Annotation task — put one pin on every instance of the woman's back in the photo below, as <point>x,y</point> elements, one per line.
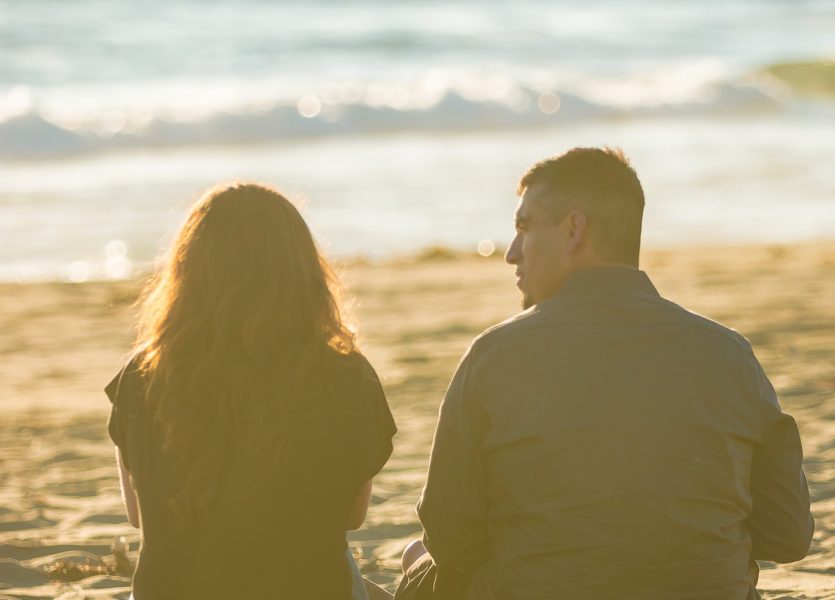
<point>285,538</point>
<point>247,421</point>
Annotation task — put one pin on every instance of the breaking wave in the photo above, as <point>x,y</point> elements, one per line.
<point>32,135</point>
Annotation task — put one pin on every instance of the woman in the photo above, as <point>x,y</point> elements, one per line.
<point>248,426</point>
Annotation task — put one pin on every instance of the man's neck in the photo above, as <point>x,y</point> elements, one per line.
<point>593,262</point>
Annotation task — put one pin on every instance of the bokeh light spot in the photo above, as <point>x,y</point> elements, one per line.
<point>309,107</point>
<point>78,272</point>
<point>549,103</point>
<point>115,249</point>
<point>486,248</point>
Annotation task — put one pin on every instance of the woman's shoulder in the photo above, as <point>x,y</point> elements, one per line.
<point>353,383</point>
<point>360,415</point>
<point>354,366</point>
<point>127,385</point>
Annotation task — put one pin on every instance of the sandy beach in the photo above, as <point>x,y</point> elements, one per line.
<point>60,508</point>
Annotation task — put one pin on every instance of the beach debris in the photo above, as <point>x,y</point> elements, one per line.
<point>68,571</point>
<point>74,566</point>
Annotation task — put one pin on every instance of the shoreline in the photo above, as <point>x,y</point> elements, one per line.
<point>62,342</point>
<point>443,252</point>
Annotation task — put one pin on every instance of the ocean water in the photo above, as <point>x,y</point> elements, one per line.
<point>400,125</point>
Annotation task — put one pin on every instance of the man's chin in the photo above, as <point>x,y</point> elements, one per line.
<point>526,301</point>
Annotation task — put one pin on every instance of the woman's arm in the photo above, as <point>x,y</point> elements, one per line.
<point>360,508</point>
<point>128,493</point>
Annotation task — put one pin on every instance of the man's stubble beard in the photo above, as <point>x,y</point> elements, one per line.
<point>526,302</point>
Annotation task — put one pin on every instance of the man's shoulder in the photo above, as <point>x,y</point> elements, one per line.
<point>503,329</point>
<point>517,327</point>
<point>690,320</point>
<point>562,311</point>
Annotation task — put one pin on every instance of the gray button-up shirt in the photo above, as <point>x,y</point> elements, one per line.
<point>609,443</point>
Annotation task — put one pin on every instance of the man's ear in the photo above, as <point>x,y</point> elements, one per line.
<point>576,223</point>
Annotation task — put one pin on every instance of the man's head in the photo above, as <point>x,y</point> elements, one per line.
<point>580,209</point>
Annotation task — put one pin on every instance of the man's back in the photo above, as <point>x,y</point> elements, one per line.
<point>609,443</point>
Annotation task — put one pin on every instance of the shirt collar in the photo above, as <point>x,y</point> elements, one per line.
<point>606,281</point>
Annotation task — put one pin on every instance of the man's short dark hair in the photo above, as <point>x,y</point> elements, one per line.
<point>601,183</point>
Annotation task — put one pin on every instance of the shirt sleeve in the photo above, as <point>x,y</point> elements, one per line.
<point>453,506</point>
<point>780,524</point>
<point>117,424</point>
<point>374,445</point>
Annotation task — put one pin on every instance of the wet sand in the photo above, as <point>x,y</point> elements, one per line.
<point>60,508</point>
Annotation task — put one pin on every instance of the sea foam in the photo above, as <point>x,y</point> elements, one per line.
<point>33,135</point>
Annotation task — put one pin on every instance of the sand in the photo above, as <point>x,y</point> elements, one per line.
<point>60,508</point>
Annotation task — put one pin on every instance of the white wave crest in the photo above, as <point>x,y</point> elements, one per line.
<point>32,136</point>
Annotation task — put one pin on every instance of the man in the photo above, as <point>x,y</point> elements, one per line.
<point>604,443</point>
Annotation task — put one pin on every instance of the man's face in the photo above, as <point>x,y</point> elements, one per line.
<point>539,250</point>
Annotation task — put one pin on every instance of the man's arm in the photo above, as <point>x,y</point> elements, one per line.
<point>452,508</point>
<point>781,524</point>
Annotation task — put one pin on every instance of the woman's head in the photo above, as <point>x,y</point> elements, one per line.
<point>243,306</point>
<point>243,269</point>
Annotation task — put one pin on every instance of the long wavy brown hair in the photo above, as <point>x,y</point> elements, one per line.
<point>242,316</point>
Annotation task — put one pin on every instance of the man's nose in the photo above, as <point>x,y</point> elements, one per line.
<point>511,257</point>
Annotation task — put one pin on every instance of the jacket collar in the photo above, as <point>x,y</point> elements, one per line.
<point>605,281</point>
